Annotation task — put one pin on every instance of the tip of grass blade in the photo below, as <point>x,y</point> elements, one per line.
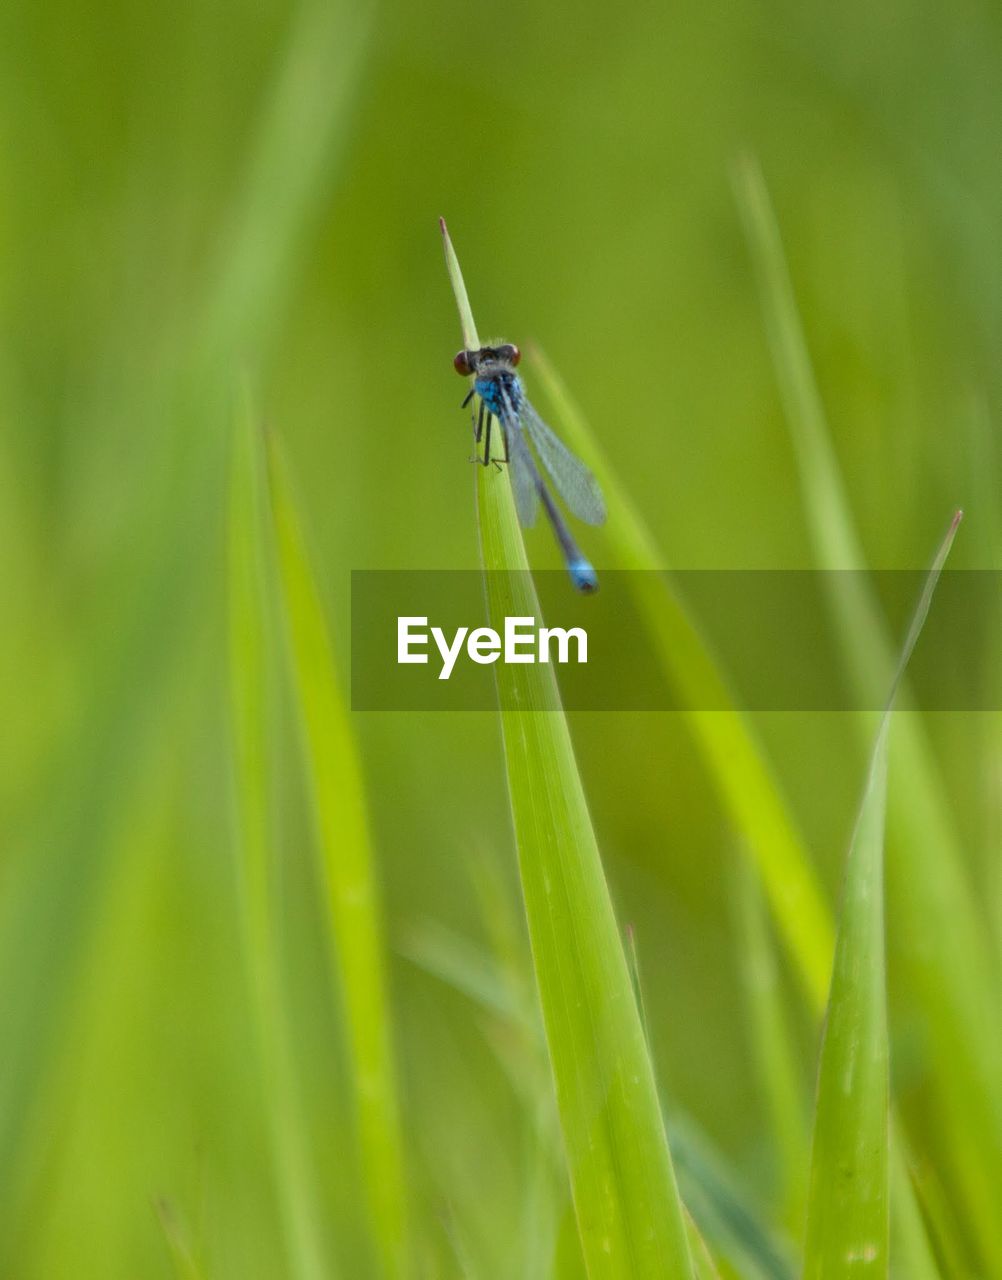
<point>470,338</point>
<point>925,600</point>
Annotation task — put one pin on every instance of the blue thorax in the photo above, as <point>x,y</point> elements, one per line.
<point>497,388</point>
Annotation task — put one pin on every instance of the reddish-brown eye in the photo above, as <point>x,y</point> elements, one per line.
<point>510,353</point>
<point>461,363</point>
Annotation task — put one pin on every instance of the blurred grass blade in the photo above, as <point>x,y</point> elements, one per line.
<point>294,154</point>
<point>251,655</point>
<point>737,766</point>
<point>179,1248</point>
<point>847,1211</point>
<point>983,480</point>
<point>355,932</point>
<point>734,759</point>
<point>703,1266</point>
<point>939,931</point>
<point>773,1054</point>
<point>729,1216</point>
<point>629,1216</point>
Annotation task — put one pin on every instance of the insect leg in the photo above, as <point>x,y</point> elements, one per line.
<point>504,437</point>
<point>478,430</point>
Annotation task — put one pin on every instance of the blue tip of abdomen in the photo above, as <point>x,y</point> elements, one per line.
<point>583,575</point>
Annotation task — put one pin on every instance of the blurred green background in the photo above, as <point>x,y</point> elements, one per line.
<point>195,198</point>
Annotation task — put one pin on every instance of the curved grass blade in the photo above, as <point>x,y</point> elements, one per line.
<point>251,684</point>
<point>847,1211</point>
<point>629,1217</point>
<point>941,933</point>
<point>734,759</point>
<point>355,933</point>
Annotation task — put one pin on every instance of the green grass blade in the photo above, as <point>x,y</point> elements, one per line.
<point>737,766</point>
<point>703,1266</point>
<point>773,1053</point>
<point>468,325</point>
<point>294,155</point>
<point>251,684</point>
<point>355,932</point>
<point>729,1216</point>
<point>847,1212</point>
<point>941,933</point>
<point>734,759</point>
<point>848,1219</point>
<point>629,1216</point>
<point>179,1248</point>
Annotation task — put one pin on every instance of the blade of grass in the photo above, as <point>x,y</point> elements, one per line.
<point>179,1248</point>
<point>727,1214</point>
<point>848,1202</point>
<point>251,683</point>
<point>733,757</point>
<point>739,769</point>
<point>983,469</point>
<point>295,153</point>
<point>134,650</point>
<point>847,1210</point>
<point>347,870</point>
<point>629,1216</point>
<point>703,1266</point>
<point>945,948</point>
<point>772,1046</point>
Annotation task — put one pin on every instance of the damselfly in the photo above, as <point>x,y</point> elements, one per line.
<point>501,396</point>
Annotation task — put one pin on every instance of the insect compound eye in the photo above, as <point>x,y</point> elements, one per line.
<point>510,353</point>
<point>461,363</point>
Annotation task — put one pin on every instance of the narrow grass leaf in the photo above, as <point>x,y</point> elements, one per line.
<point>983,472</point>
<point>703,1266</point>
<point>847,1222</point>
<point>179,1247</point>
<point>629,1216</point>
<point>949,963</point>
<point>347,871</point>
<point>251,662</point>
<point>295,153</point>
<point>734,759</point>
<point>848,1202</point>
<point>773,1053</point>
<point>738,767</point>
<point>728,1214</point>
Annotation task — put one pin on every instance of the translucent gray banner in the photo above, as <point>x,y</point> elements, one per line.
<point>422,640</point>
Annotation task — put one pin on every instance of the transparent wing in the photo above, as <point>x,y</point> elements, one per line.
<point>571,478</point>
<point>523,476</point>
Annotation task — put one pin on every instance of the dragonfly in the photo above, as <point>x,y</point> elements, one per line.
<point>501,396</point>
